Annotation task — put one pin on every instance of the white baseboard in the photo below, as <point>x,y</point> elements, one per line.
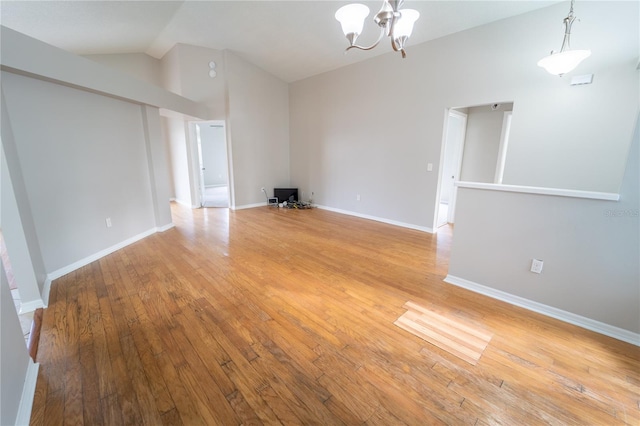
<point>580,321</point>
<point>28,393</point>
<point>46,289</point>
<point>378,219</point>
<point>184,203</point>
<point>248,206</point>
<point>165,227</point>
<point>350,213</point>
<point>102,253</point>
<point>96,256</point>
<point>30,306</point>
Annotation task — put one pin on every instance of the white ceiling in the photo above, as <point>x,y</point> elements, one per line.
<point>290,39</point>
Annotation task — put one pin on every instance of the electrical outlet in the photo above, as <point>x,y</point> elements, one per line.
<point>358,197</point>
<point>262,189</point>
<point>108,222</point>
<point>536,266</point>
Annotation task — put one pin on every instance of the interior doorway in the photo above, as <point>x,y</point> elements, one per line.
<point>474,149</point>
<point>451,165</point>
<point>213,162</point>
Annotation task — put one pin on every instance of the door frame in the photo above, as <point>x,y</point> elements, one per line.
<point>504,146</point>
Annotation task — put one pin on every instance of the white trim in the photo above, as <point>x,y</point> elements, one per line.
<point>504,146</point>
<point>458,156</point>
<point>46,289</point>
<point>580,321</point>
<point>248,206</point>
<point>574,193</point>
<point>165,227</point>
<point>28,393</point>
<point>102,253</point>
<point>186,204</point>
<point>30,306</point>
<point>96,256</point>
<point>378,219</point>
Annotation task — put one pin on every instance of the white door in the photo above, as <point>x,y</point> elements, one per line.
<point>452,165</point>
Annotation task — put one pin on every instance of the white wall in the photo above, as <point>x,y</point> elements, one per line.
<point>258,130</point>
<point>170,71</point>
<point>83,157</point>
<point>185,71</point>
<point>17,245</point>
<point>590,248</point>
<point>353,134</point>
<point>15,358</point>
<point>157,162</point>
<point>24,55</point>
<point>482,143</point>
<point>138,65</point>
<point>21,237</point>
<point>255,106</point>
<point>82,143</point>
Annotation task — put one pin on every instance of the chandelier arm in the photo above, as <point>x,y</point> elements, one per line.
<point>566,41</point>
<point>382,33</point>
<point>568,22</point>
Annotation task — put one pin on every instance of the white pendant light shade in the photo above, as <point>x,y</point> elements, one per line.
<point>352,17</point>
<point>566,60</point>
<point>563,62</point>
<point>404,25</point>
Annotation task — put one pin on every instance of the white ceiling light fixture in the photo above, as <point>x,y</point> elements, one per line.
<point>393,22</point>
<point>566,60</point>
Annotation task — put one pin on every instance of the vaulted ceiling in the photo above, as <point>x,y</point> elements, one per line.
<point>290,39</point>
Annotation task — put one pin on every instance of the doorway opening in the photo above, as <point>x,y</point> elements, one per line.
<point>455,130</point>
<point>213,162</point>
<point>474,149</point>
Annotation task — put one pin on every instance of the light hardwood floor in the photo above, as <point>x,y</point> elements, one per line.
<point>267,316</point>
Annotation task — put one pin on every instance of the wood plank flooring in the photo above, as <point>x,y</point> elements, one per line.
<point>456,336</point>
<point>267,316</point>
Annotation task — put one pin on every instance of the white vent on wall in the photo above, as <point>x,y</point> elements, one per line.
<point>582,79</point>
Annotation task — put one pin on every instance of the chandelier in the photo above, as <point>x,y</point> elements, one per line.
<point>566,60</point>
<point>394,22</point>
